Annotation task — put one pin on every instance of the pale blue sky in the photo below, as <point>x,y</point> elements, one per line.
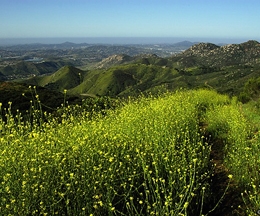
<point>228,19</point>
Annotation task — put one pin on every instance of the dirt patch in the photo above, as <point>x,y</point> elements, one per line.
<point>225,193</point>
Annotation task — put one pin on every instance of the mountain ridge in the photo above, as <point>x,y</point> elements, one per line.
<point>66,77</point>
<point>224,68</point>
<point>226,55</point>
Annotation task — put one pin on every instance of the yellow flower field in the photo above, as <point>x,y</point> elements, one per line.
<point>147,157</point>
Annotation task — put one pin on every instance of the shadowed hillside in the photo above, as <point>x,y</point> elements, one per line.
<point>26,68</point>
<point>22,97</point>
<point>65,78</point>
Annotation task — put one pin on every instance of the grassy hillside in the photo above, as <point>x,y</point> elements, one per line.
<point>27,68</point>
<point>22,97</point>
<point>225,69</point>
<point>101,82</point>
<point>66,77</point>
<point>131,79</point>
<point>183,153</point>
<point>124,79</point>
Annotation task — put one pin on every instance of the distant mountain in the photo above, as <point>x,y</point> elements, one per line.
<point>114,60</point>
<point>70,45</point>
<point>40,46</point>
<point>185,44</point>
<point>218,56</point>
<point>222,44</point>
<point>224,68</point>
<point>200,49</point>
<point>22,61</point>
<point>148,59</point>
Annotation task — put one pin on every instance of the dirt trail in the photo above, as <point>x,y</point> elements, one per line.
<point>221,185</point>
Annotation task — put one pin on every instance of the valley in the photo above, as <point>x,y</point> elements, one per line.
<point>122,71</point>
<point>78,55</point>
<point>111,72</point>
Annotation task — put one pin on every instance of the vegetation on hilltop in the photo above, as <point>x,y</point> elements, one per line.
<point>147,74</point>
<point>225,69</point>
<point>24,68</point>
<point>41,58</point>
<point>251,90</point>
<point>219,56</point>
<point>23,97</point>
<point>66,77</point>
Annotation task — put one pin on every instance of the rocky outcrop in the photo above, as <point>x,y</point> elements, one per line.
<point>114,60</point>
<point>212,55</point>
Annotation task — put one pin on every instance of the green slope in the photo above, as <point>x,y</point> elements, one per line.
<point>26,68</point>
<point>21,97</point>
<point>65,78</point>
<point>106,82</point>
<point>225,69</point>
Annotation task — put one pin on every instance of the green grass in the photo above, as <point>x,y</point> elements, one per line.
<point>66,77</point>
<point>238,126</point>
<point>147,157</point>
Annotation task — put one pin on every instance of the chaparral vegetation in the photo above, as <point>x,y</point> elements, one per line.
<point>176,153</point>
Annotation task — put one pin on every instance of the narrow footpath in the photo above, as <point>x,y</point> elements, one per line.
<point>226,195</point>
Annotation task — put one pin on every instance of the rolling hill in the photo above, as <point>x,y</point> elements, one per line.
<point>66,77</point>
<point>24,68</point>
<point>223,68</point>
<point>211,55</point>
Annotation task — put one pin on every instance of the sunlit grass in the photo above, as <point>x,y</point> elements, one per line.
<point>147,157</point>
<point>238,127</point>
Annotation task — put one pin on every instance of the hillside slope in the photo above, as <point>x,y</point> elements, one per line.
<point>219,56</point>
<point>223,68</point>
<point>20,96</point>
<point>66,77</point>
<point>26,68</point>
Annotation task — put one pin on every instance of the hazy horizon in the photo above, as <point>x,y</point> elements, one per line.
<point>117,40</point>
<point>221,21</point>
